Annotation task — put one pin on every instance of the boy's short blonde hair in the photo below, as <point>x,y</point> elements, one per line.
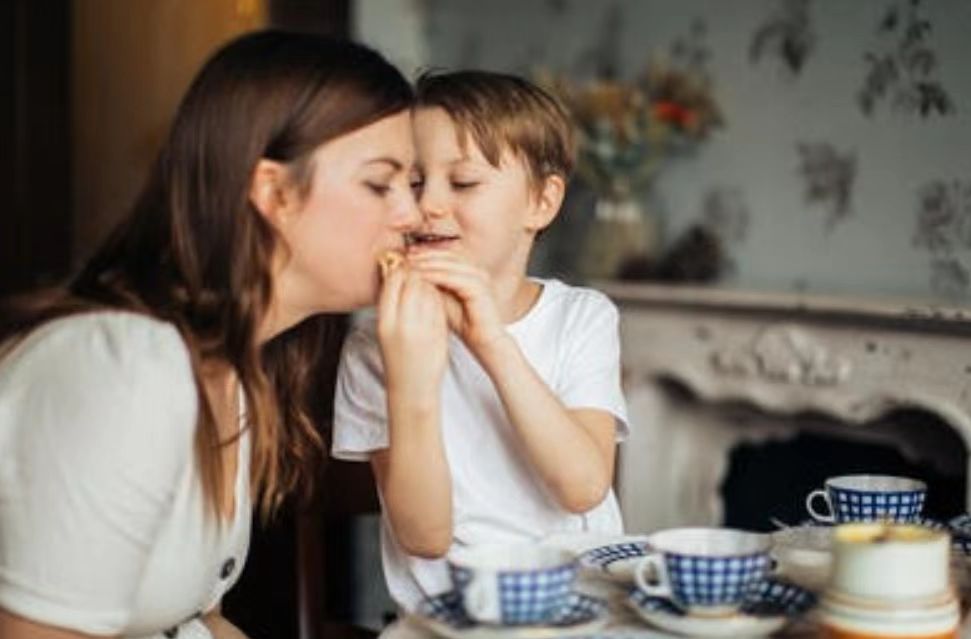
<point>504,112</point>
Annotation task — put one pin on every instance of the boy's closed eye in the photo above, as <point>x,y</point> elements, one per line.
<point>461,183</point>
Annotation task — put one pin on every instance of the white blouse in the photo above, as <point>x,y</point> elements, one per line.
<point>103,527</point>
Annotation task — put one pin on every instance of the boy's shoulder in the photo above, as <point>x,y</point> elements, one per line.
<point>570,297</point>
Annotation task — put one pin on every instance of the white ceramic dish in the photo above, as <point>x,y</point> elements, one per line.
<point>804,554</point>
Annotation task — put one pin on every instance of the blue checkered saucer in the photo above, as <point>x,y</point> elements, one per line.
<point>768,608</point>
<point>925,522</point>
<point>616,561</point>
<point>444,616</point>
<point>960,528</point>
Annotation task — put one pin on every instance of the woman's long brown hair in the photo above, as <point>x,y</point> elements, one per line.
<point>195,253</point>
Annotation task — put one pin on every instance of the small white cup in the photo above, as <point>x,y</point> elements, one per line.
<point>512,585</point>
<point>884,562</point>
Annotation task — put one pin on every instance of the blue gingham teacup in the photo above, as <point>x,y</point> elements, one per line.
<point>704,571</point>
<point>851,498</point>
<point>512,585</point>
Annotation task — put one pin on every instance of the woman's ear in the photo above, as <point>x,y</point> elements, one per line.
<point>548,202</point>
<point>271,193</point>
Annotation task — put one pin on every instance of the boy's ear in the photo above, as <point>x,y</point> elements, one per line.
<point>548,203</point>
<point>271,192</point>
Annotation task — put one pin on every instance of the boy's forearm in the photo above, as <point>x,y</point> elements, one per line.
<point>568,459</point>
<point>417,484</point>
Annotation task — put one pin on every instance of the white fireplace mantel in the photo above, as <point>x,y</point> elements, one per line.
<point>854,360</point>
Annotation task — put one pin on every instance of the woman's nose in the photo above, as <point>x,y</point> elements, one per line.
<point>407,216</point>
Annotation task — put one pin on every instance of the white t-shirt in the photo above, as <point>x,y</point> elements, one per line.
<point>102,521</point>
<point>570,337</point>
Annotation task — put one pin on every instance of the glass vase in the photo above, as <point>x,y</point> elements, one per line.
<point>621,230</point>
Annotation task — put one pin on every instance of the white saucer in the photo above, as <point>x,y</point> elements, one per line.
<point>443,617</point>
<point>737,625</point>
<point>770,610</point>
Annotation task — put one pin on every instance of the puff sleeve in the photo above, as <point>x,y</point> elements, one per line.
<point>97,420</point>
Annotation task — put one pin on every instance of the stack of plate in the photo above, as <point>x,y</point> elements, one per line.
<point>846,617</point>
<point>889,580</point>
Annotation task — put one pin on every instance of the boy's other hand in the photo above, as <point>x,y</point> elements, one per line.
<point>471,307</point>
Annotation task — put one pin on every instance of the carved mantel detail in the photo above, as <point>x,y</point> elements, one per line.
<point>783,354</point>
<point>787,356</point>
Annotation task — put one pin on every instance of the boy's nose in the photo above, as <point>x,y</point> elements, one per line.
<point>431,207</point>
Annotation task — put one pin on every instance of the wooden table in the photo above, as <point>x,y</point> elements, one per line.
<point>616,629</point>
<point>624,624</point>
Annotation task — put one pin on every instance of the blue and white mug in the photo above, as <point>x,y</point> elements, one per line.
<point>512,585</point>
<point>851,498</point>
<point>705,571</point>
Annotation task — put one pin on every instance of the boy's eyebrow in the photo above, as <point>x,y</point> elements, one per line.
<point>462,160</point>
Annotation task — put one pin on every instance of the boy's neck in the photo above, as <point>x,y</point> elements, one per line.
<point>516,298</point>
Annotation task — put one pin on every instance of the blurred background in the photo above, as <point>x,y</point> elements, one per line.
<point>806,145</point>
<point>814,146</point>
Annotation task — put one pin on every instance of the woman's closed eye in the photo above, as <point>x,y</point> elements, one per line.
<point>378,188</point>
<point>462,185</point>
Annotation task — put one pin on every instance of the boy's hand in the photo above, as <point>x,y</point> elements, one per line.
<point>413,334</point>
<point>470,301</point>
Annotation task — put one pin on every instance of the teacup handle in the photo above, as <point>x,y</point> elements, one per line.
<point>655,563</point>
<point>480,599</point>
<point>818,516</point>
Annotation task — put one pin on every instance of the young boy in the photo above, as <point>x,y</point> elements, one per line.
<point>510,436</point>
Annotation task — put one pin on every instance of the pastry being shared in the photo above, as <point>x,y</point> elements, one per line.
<point>389,261</point>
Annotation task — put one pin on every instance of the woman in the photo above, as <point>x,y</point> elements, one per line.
<point>141,409</point>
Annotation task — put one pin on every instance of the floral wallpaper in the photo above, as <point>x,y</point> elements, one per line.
<point>844,161</point>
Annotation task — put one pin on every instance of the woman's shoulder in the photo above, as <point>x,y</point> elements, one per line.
<point>101,372</point>
<point>124,347</point>
<point>104,336</point>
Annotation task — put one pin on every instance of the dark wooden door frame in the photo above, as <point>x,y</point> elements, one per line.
<point>35,143</point>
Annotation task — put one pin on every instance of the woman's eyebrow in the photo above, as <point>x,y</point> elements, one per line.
<point>395,163</point>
